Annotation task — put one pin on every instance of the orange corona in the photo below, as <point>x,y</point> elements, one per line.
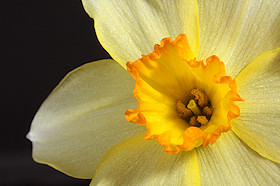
<point>183,102</point>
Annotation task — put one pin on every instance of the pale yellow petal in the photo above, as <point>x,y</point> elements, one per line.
<point>84,117</point>
<point>231,162</point>
<point>142,162</point>
<point>238,31</point>
<point>127,29</point>
<point>259,121</point>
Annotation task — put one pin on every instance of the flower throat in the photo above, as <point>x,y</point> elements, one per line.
<point>198,111</point>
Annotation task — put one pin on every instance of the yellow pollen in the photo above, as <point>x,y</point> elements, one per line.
<point>192,105</point>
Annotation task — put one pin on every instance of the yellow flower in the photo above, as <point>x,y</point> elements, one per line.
<point>81,129</point>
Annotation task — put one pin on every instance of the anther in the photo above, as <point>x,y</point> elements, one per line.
<point>207,111</point>
<point>193,122</point>
<point>202,120</point>
<point>183,111</point>
<point>200,97</point>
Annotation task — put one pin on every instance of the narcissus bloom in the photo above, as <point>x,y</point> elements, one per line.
<point>207,97</point>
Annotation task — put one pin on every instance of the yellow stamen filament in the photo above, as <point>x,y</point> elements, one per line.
<point>183,111</point>
<point>194,108</point>
<point>202,120</point>
<point>200,97</point>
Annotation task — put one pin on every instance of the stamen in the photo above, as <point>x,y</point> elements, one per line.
<point>194,114</point>
<point>207,111</point>
<point>200,97</point>
<point>193,122</point>
<point>192,105</point>
<point>183,111</point>
<point>202,119</point>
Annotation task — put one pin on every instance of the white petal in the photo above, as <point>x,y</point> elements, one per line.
<point>229,161</point>
<point>238,31</point>
<point>259,121</point>
<point>84,117</point>
<point>127,29</point>
<point>142,162</point>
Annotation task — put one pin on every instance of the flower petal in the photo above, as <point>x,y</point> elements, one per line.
<point>142,162</point>
<point>238,31</point>
<point>231,162</point>
<point>259,121</point>
<point>84,117</point>
<point>127,29</point>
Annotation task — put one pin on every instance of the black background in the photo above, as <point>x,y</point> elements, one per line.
<point>41,41</point>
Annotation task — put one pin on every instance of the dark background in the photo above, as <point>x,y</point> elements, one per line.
<point>41,41</point>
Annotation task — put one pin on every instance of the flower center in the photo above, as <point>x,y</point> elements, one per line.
<point>183,103</point>
<point>198,111</point>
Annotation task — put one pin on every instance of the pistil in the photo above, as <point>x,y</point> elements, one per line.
<point>194,108</point>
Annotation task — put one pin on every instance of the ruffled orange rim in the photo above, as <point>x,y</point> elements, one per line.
<point>192,136</point>
<point>220,78</point>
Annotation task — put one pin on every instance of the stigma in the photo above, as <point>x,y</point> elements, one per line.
<point>183,102</point>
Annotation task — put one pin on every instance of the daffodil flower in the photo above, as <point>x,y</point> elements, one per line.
<point>207,97</point>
